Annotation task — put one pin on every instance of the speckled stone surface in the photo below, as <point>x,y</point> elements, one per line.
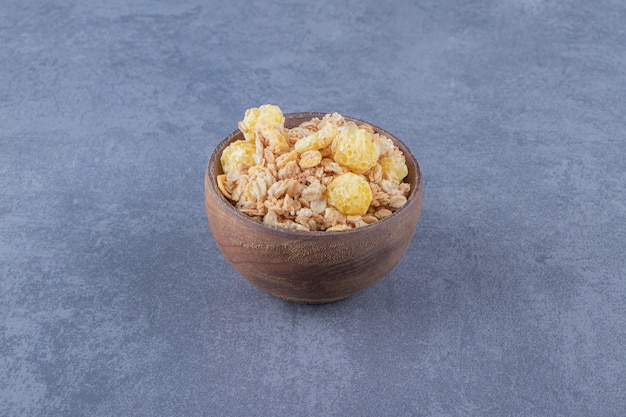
<point>115,301</point>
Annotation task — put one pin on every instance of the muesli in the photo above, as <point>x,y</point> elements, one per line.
<point>325,174</point>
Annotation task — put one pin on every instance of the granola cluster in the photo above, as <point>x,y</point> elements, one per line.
<point>325,174</point>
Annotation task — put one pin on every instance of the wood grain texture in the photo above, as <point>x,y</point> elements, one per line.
<point>311,267</point>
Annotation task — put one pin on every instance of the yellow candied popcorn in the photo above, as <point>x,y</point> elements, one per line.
<point>355,149</point>
<point>394,167</point>
<point>318,140</point>
<point>267,112</point>
<point>238,152</point>
<point>350,194</point>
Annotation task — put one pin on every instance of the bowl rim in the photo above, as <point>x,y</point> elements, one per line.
<point>412,198</point>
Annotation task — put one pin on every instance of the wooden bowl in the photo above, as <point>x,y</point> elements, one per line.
<point>311,267</point>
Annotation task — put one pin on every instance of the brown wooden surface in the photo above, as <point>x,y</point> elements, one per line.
<point>311,267</point>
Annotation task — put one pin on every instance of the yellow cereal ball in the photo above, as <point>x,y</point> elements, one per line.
<point>394,168</point>
<point>355,149</point>
<point>318,140</point>
<point>236,153</point>
<point>267,112</point>
<point>350,194</point>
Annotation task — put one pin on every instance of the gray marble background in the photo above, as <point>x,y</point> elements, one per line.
<point>115,301</point>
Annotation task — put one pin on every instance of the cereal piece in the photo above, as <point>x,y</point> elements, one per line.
<point>271,218</point>
<point>269,156</point>
<point>290,170</point>
<point>334,216</point>
<point>332,166</point>
<point>389,187</point>
<point>258,189</point>
<point>356,221</point>
<point>291,225</point>
<point>382,213</point>
<point>385,144</point>
<point>279,188</point>
<point>332,119</point>
<point>397,201</point>
<point>309,159</point>
<point>242,183</point>
<point>311,125</point>
<point>375,174</point>
<point>267,112</point>
<point>318,205</point>
<point>354,149</point>
<point>282,160</point>
<point>304,215</point>
<point>379,197</point>
<point>317,140</point>
<point>314,191</point>
<point>350,194</point>
<point>338,228</point>
<point>296,133</point>
<point>367,128</point>
<point>260,180</point>
<point>394,168</point>
<point>275,138</point>
<point>238,152</point>
<point>290,206</point>
<point>355,218</point>
<point>221,184</point>
<point>370,218</point>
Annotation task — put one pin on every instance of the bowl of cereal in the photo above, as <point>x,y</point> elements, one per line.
<point>312,207</point>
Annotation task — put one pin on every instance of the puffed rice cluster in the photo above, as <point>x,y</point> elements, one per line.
<point>327,174</point>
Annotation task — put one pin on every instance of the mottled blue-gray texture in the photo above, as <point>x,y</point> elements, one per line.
<point>115,301</point>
